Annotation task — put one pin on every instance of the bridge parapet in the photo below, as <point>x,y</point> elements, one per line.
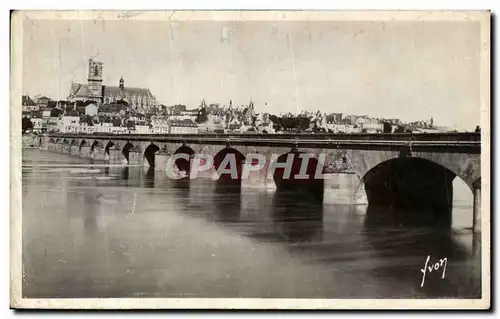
<point>445,142</point>
<point>448,136</point>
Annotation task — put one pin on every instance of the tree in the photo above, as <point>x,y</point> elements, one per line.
<point>278,126</point>
<point>55,112</point>
<point>26,124</point>
<point>400,129</point>
<point>387,127</point>
<point>51,104</point>
<point>254,119</point>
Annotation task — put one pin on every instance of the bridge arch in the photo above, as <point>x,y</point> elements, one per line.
<point>466,166</point>
<point>126,150</point>
<point>82,144</point>
<point>73,142</point>
<point>181,163</point>
<point>149,154</point>
<point>95,144</point>
<point>310,183</point>
<point>477,183</point>
<point>109,145</point>
<point>419,190</point>
<point>228,156</point>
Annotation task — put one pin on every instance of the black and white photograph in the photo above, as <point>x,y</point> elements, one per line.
<point>250,159</point>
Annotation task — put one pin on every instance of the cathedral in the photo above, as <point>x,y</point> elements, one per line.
<point>94,90</point>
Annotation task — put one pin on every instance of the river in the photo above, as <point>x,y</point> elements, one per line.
<point>91,230</point>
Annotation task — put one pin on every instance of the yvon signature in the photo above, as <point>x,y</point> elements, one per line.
<point>441,264</point>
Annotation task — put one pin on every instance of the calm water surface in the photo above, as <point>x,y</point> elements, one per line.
<point>96,231</point>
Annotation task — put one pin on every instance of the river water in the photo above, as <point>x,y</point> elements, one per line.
<point>95,231</point>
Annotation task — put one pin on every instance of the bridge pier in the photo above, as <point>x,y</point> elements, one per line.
<point>342,188</point>
<point>44,146</point>
<point>476,225</point>
<point>98,153</point>
<point>135,157</point>
<point>258,179</point>
<point>74,150</point>
<point>85,152</point>
<point>115,156</point>
<point>161,159</point>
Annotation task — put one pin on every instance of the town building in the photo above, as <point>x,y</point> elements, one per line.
<point>94,90</point>
<point>334,118</point>
<point>182,126</point>
<point>142,129</point>
<point>372,127</point>
<point>266,128</point>
<point>91,109</point>
<point>42,101</point>
<point>159,125</point>
<point>393,121</point>
<point>189,114</point>
<point>28,104</point>
<point>51,123</point>
<point>248,114</point>
<point>104,127</point>
<point>68,124</point>
<point>37,124</point>
<point>86,128</point>
<point>212,125</point>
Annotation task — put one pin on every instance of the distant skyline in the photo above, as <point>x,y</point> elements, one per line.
<point>398,69</point>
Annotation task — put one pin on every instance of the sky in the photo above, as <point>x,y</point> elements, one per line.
<point>412,70</point>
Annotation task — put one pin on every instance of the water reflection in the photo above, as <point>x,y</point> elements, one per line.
<point>92,202</point>
<point>297,216</point>
<point>124,173</point>
<point>149,178</point>
<point>402,250</point>
<point>378,216</point>
<point>227,200</point>
<point>102,224</point>
<point>181,187</point>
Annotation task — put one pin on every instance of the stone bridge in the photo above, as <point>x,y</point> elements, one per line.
<point>403,171</point>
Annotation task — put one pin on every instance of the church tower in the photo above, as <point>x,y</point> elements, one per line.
<point>95,79</point>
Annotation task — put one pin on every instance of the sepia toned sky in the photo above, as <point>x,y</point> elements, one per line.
<point>398,69</point>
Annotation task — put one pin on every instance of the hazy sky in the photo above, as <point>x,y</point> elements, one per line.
<point>410,70</point>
